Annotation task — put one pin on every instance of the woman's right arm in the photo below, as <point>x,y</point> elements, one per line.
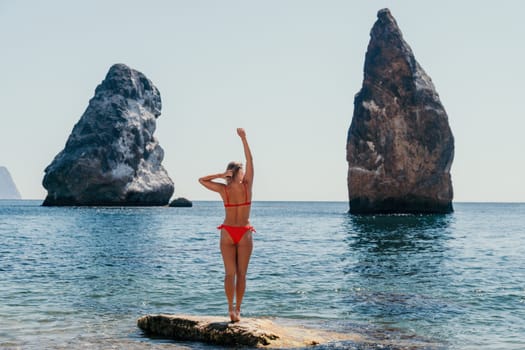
<point>207,181</point>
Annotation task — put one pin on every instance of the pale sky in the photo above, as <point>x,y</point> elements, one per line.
<point>285,70</point>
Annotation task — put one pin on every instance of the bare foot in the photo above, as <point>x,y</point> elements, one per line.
<point>233,316</point>
<point>237,315</point>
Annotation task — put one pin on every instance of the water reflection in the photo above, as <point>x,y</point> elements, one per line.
<point>397,233</point>
<point>112,253</point>
<point>396,271</point>
<point>390,246</point>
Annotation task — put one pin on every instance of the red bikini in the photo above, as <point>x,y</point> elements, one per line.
<point>236,232</point>
<point>227,204</point>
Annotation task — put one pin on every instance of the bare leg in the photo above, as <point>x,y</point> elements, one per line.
<point>229,257</point>
<point>244,252</point>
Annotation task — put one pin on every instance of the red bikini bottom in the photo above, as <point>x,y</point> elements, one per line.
<point>236,232</point>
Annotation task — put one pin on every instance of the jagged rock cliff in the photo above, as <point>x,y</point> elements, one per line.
<point>111,156</point>
<point>8,188</point>
<point>399,147</point>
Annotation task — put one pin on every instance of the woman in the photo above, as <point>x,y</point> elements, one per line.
<point>236,232</point>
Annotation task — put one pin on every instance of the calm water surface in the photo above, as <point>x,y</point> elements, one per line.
<point>80,277</point>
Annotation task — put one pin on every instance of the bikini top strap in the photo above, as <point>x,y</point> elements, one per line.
<point>227,197</point>
<point>227,202</point>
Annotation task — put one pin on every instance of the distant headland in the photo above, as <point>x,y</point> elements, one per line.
<point>8,189</point>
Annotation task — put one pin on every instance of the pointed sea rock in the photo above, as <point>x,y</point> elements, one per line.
<point>399,147</point>
<point>111,157</point>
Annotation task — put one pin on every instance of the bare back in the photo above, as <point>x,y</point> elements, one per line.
<point>237,199</point>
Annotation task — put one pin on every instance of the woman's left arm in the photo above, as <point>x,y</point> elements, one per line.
<point>249,173</point>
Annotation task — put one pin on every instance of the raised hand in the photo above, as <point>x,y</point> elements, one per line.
<point>241,132</point>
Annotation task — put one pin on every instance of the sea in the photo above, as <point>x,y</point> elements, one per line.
<point>80,277</point>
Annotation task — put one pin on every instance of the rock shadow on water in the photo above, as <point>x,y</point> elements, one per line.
<point>105,251</point>
<point>397,274</point>
<point>399,231</point>
<point>396,249</point>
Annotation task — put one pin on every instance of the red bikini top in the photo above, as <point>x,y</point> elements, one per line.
<point>227,204</point>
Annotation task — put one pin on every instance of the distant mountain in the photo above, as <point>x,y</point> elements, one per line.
<point>8,188</point>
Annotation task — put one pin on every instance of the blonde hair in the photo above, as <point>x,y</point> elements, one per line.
<point>234,167</point>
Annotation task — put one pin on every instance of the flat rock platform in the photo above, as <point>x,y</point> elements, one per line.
<point>250,332</point>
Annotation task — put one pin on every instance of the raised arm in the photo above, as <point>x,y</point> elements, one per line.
<point>248,174</point>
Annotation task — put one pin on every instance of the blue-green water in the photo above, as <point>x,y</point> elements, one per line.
<point>80,277</point>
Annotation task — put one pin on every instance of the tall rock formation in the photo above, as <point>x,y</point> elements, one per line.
<point>111,157</point>
<point>399,147</point>
<point>8,188</point>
